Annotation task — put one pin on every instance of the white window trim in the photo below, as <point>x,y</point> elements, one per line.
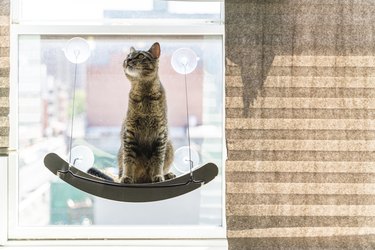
<point>10,231</point>
<point>212,244</point>
<point>3,199</point>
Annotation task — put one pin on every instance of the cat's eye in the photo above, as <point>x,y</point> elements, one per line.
<point>141,56</point>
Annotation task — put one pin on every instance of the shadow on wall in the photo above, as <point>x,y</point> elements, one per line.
<point>250,36</point>
<point>259,30</point>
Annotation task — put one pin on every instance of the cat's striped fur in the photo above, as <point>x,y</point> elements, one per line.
<point>146,152</point>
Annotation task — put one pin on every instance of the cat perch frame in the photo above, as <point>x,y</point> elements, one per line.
<point>146,192</point>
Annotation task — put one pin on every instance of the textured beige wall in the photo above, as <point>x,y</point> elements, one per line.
<point>4,71</point>
<point>300,127</point>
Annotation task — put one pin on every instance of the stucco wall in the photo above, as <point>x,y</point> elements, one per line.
<point>300,109</point>
<point>4,72</point>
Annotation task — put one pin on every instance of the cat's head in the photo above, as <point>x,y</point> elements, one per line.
<point>140,64</point>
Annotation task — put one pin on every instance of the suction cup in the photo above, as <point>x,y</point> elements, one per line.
<point>82,157</point>
<point>184,61</point>
<point>181,159</point>
<point>77,50</point>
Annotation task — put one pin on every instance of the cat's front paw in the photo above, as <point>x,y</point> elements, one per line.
<point>126,179</point>
<point>169,176</point>
<point>157,178</point>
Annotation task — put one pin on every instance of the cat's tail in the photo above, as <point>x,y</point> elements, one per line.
<point>100,174</point>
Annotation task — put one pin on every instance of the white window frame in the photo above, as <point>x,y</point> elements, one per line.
<point>11,233</point>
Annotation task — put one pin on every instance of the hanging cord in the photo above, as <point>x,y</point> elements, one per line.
<point>76,53</point>
<point>188,126</point>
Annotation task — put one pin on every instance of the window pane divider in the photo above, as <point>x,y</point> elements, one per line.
<point>118,30</point>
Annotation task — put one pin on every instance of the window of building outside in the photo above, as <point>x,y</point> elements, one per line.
<point>45,206</point>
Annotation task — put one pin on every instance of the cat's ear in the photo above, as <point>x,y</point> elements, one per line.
<point>132,50</point>
<point>155,50</point>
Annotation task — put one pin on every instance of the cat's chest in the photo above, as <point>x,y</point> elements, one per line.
<point>147,105</point>
<point>146,116</point>
<point>146,128</point>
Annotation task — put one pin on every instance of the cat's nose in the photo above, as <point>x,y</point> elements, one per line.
<point>130,63</point>
<point>127,62</point>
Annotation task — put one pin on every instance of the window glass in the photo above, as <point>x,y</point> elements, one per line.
<point>46,80</point>
<point>114,11</point>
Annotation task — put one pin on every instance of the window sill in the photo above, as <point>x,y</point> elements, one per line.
<point>219,244</point>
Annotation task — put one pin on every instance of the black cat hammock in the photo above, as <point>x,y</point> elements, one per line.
<point>144,192</point>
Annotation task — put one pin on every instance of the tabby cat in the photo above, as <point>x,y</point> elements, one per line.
<point>146,153</point>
